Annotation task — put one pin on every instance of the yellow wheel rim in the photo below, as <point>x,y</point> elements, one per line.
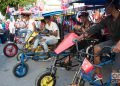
<point>47,81</point>
<point>38,49</point>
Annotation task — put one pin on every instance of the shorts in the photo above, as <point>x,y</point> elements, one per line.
<point>116,64</point>
<point>108,43</point>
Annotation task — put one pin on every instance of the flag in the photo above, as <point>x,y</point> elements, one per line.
<point>87,66</point>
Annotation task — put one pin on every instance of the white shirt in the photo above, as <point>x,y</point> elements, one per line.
<point>37,24</point>
<point>53,27</point>
<point>12,27</point>
<point>1,26</point>
<point>30,24</point>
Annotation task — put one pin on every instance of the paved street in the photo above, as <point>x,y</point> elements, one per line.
<point>35,70</point>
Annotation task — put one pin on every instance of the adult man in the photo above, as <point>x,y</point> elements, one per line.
<point>113,23</point>
<point>85,23</point>
<point>52,38</point>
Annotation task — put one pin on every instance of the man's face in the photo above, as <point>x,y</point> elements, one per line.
<point>83,19</point>
<point>26,18</point>
<point>47,20</point>
<point>108,8</point>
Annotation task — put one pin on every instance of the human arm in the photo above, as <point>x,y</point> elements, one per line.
<point>53,29</point>
<point>55,33</point>
<point>33,24</point>
<point>116,48</point>
<point>93,29</point>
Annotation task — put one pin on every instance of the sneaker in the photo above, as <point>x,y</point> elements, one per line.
<point>98,77</point>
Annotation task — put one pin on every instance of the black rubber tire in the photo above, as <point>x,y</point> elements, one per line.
<point>5,50</point>
<point>46,74</point>
<point>82,82</point>
<point>18,65</point>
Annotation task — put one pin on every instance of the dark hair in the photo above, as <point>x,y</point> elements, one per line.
<point>47,17</point>
<point>85,14</point>
<point>116,3</point>
<point>43,21</point>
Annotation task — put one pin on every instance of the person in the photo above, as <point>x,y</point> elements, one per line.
<point>80,28</point>
<point>20,27</point>
<point>30,25</point>
<point>7,28</point>
<point>1,31</point>
<point>85,22</point>
<point>112,21</point>
<point>53,37</point>
<point>12,30</point>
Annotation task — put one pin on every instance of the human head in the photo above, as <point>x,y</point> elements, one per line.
<point>47,19</point>
<point>42,24</point>
<point>111,6</point>
<point>26,16</point>
<point>83,16</point>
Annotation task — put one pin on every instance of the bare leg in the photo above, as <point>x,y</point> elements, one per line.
<point>97,49</point>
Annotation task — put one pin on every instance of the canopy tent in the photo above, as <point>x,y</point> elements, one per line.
<point>83,8</point>
<point>90,2</point>
<point>52,13</point>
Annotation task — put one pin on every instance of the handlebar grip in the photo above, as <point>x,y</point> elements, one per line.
<point>75,40</point>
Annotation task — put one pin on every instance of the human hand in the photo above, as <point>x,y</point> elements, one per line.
<point>51,32</point>
<point>117,47</point>
<point>81,37</point>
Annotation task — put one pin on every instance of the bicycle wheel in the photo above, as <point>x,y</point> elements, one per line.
<point>47,79</point>
<point>82,82</point>
<point>19,57</point>
<point>10,50</point>
<point>20,70</point>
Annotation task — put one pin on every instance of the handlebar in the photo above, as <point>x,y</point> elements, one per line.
<point>89,39</point>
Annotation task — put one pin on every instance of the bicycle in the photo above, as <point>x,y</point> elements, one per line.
<point>49,78</point>
<point>21,69</point>
<point>11,49</point>
<point>81,76</point>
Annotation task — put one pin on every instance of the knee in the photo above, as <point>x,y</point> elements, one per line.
<point>97,49</point>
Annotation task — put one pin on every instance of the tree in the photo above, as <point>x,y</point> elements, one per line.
<point>13,3</point>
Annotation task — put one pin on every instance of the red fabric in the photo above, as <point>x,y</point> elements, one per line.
<point>87,66</point>
<point>7,26</point>
<point>66,43</point>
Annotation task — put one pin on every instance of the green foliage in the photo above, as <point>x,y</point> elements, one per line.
<point>13,3</point>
